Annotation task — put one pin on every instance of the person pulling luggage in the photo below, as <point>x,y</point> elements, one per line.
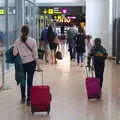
<point>98,54</point>
<point>26,48</point>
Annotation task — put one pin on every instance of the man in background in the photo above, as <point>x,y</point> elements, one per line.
<point>45,43</point>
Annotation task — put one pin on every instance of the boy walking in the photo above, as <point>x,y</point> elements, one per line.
<point>98,54</point>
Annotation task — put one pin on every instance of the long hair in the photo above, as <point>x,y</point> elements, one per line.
<point>24,33</point>
<point>50,33</point>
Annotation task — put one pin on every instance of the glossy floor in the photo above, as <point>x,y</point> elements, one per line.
<point>69,100</point>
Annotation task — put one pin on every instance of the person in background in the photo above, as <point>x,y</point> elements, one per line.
<point>62,30</point>
<point>53,43</point>
<point>80,46</point>
<point>89,45</point>
<point>71,33</point>
<point>98,54</point>
<point>26,47</point>
<point>44,40</point>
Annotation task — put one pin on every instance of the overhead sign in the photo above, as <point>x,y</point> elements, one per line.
<point>51,11</point>
<point>60,18</point>
<point>10,11</point>
<point>2,12</point>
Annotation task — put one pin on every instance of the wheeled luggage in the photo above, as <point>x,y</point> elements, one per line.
<point>92,85</point>
<point>40,98</point>
<point>58,55</point>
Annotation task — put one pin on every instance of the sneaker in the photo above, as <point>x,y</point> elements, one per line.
<point>28,102</point>
<point>46,61</point>
<point>82,65</point>
<point>55,62</point>
<point>23,101</point>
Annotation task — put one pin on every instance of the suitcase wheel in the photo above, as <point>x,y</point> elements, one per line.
<point>89,98</point>
<point>98,97</point>
<point>32,110</point>
<point>48,110</point>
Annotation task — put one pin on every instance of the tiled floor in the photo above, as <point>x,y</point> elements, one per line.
<point>69,101</point>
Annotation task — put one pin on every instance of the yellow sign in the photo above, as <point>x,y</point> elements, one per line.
<point>61,19</point>
<point>50,11</point>
<point>82,24</point>
<point>45,11</point>
<point>57,12</point>
<point>2,11</point>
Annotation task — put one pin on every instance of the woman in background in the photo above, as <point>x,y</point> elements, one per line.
<point>53,43</point>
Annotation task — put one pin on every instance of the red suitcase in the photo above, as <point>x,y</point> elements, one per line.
<point>40,98</point>
<point>93,86</point>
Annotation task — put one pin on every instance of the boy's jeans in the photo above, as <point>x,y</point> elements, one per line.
<point>80,57</point>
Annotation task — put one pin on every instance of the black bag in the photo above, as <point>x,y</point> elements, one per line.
<point>10,58</point>
<point>59,55</point>
<point>41,53</point>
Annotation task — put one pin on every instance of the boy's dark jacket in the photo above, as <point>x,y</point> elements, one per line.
<point>99,54</point>
<point>80,43</point>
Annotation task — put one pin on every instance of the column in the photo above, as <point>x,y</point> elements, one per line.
<point>20,6</point>
<point>98,21</point>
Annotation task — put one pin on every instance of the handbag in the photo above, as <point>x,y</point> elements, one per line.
<point>58,55</point>
<point>41,53</point>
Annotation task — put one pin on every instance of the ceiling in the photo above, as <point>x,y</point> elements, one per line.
<point>60,2</point>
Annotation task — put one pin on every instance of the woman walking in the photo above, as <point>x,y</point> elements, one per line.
<point>26,47</point>
<point>53,43</point>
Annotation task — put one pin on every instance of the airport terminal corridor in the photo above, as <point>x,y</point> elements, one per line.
<point>69,99</point>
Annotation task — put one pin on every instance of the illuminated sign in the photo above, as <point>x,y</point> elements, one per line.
<point>51,11</point>
<point>64,11</point>
<point>60,18</point>
<point>10,11</point>
<point>71,17</point>
<point>57,12</point>
<point>82,24</point>
<point>45,11</point>
<point>2,12</point>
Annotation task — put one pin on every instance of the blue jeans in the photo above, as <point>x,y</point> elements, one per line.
<point>80,57</point>
<point>72,53</point>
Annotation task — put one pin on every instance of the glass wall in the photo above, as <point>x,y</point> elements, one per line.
<point>12,18</point>
<point>7,22</point>
<point>2,23</point>
<point>116,30</point>
<point>11,21</point>
<point>31,18</point>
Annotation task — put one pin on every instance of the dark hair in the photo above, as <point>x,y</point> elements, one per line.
<point>81,31</point>
<point>88,37</point>
<point>97,41</point>
<point>50,30</point>
<point>50,33</point>
<point>25,32</point>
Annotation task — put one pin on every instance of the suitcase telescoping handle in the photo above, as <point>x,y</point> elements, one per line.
<point>42,75</point>
<point>91,71</point>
